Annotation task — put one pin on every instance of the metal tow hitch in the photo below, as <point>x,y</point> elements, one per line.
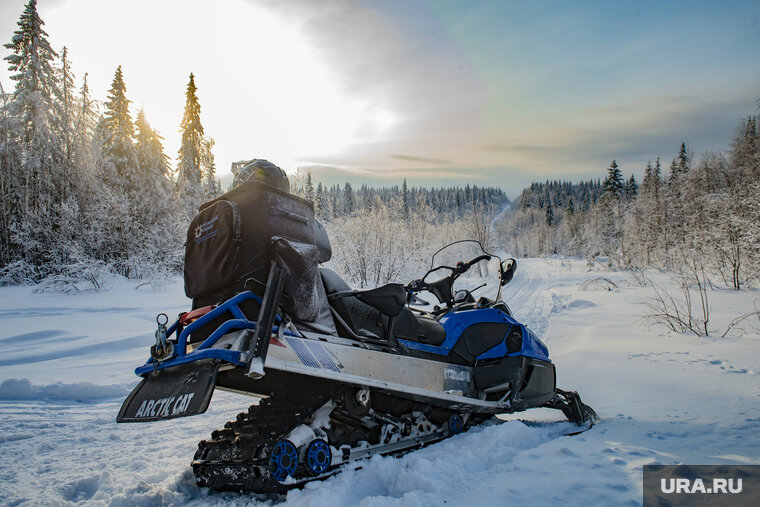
<point>163,349</point>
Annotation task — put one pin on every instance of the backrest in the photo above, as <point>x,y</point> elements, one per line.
<point>362,318</point>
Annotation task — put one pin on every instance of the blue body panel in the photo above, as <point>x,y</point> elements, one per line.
<point>455,323</point>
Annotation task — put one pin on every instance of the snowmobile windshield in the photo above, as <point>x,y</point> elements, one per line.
<point>472,268</point>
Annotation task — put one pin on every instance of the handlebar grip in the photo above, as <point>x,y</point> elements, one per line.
<point>478,259</point>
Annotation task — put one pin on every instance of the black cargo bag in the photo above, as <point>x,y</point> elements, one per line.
<point>212,251</point>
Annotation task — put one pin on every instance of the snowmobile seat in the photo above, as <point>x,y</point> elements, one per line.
<point>369,322</point>
<point>361,319</point>
<point>408,326</point>
<point>388,299</point>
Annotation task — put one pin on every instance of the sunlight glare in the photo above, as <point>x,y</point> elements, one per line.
<point>279,101</point>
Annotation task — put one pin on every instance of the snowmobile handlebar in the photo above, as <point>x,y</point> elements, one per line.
<point>442,289</point>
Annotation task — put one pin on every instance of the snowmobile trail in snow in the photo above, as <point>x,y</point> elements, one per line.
<point>48,438</point>
<point>526,297</point>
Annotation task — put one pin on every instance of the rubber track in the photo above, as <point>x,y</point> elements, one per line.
<point>236,458</point>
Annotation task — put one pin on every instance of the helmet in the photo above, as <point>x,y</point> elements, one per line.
<point>260,170</point>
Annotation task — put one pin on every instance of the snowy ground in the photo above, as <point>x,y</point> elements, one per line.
<point>66,363</point>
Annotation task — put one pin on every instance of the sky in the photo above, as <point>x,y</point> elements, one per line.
<point>440,93</point>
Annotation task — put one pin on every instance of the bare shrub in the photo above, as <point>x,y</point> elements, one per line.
<point>83,276</point>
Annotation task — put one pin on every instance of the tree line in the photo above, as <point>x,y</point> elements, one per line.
<point>449,203</point>
<point>83,186</point>
<point>702,214</point>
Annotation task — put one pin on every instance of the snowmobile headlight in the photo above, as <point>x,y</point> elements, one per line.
<point>514,340</point>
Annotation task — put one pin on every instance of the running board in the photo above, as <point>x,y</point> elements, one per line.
<point>347,362</point>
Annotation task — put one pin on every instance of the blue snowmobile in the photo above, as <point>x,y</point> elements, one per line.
<point>343,374</point>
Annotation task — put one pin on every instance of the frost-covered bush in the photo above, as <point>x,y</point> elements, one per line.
<point>83,276</point>
<point>377,245</point>
<point>18,273</point>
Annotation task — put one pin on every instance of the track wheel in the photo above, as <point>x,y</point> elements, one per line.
<point>456,424</point>
<point>357,401</point>
<point>318,457</point>
<point>283,460</point>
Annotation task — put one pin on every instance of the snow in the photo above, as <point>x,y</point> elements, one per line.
<point>67,361</point>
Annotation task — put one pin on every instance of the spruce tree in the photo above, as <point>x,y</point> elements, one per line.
<point>84,125</point>
<point>211,184</point>
<point>65,123</point>
<point>10,157</point>
<point>613,183</point>
<point>348,199</point>
<point>192,137</point>
<point>570,209</point>
<point>631,188</point>
<point>153,163</point>
<point>309,187</point>
<point>321,203</point>
<point>34,110</point>
<point>189,189</point>
<point>405,200</point>
<point>683,159</point>
<point>117,132</point>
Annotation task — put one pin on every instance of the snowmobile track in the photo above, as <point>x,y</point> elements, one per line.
<point>237,456</point>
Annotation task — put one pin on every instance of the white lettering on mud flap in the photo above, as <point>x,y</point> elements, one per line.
<point>165,407</point>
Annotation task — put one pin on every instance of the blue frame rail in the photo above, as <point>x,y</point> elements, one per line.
<point>205,350</point>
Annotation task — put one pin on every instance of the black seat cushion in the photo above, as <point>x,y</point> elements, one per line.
<point>363,319</point>
<point>408,326</point>
<point>367,321</point>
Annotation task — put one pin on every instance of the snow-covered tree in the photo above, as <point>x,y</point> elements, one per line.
<point>309,187</point>
<point>117,132</point>
<point>152,162</point>
<point>211,184</point>
<point>613,184</point>
<point>32,115</point>
<point>405,200</point>
<point>189,188</point>
<point>631,188</point>
<point>66,121</point>
<point>84,126</point>
<point>321,203</point>
<point>348,199</point>
<point>192,137</point>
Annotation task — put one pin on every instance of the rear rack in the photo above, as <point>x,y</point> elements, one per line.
<point>205,350</point>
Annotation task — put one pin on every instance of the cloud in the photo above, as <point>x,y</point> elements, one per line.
<point>411,158</point>
<point>395,56</point>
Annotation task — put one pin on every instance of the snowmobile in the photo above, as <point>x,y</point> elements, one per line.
<point>343,374</point>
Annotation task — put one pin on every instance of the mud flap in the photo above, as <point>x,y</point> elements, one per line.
<point>177,392</point>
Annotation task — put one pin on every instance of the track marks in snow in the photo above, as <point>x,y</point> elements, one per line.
<point>708,361</point>
<point>36,338</point>
<point>110,346</point>
<point>527,300</point>
<point>52,311</point>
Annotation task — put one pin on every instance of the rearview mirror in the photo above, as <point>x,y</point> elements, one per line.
<point>508,268</point>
